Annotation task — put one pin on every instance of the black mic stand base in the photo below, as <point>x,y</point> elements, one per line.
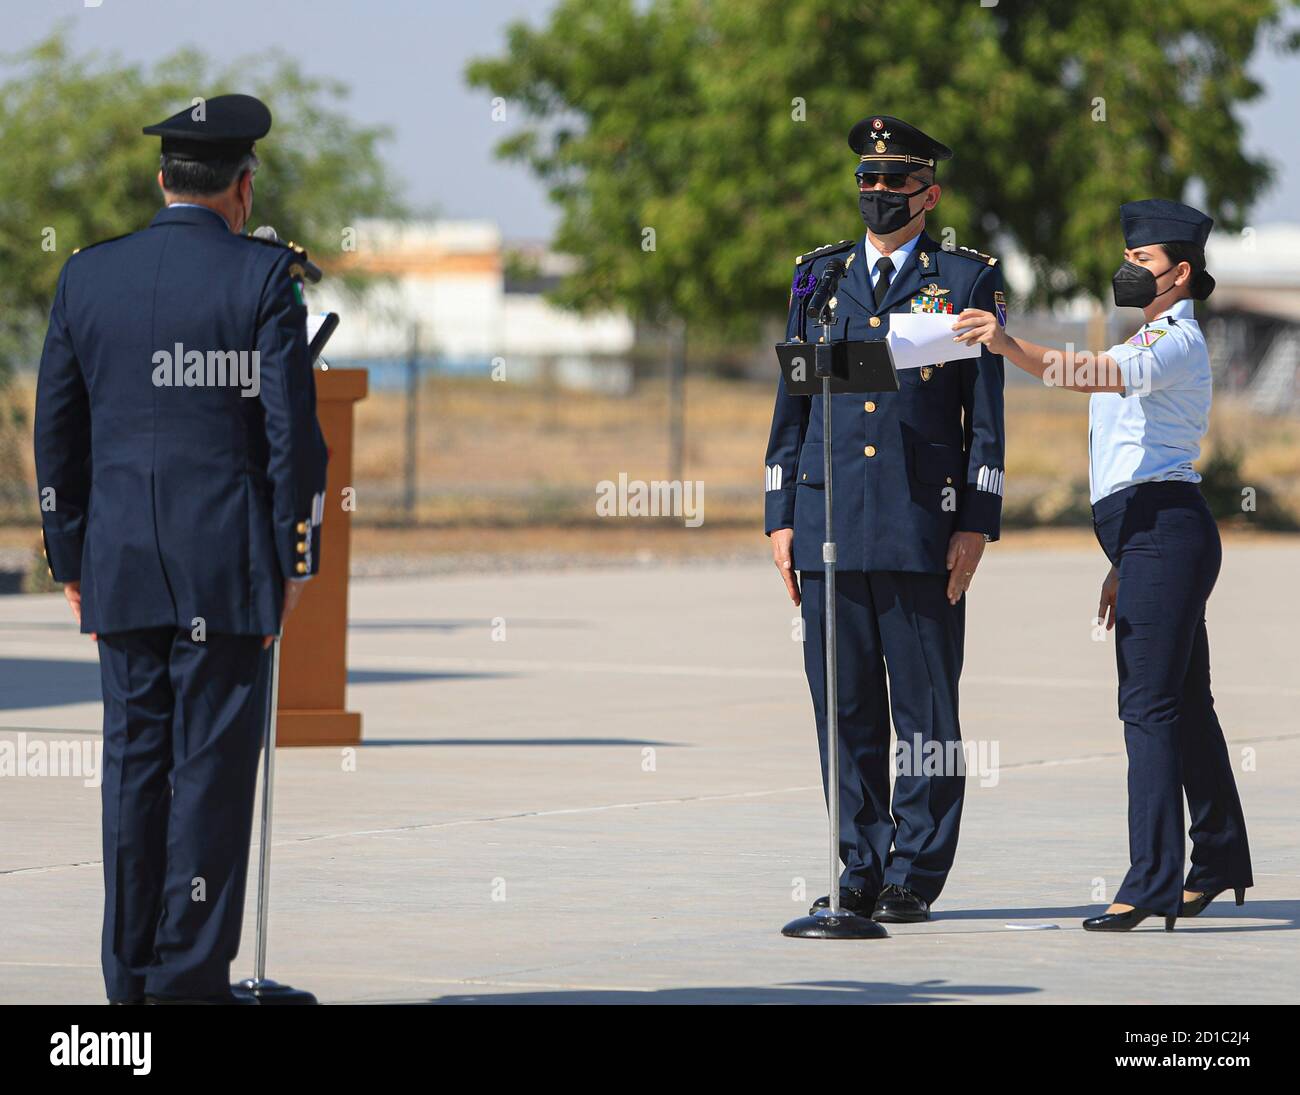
<point>838,924</point>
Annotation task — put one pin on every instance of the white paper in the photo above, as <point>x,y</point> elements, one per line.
<point>314,321</point>
<point>925,338</point>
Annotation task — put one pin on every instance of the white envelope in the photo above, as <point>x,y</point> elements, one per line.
<point>925,338</point>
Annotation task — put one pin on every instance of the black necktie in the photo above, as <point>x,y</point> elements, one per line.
<point>885,270</point>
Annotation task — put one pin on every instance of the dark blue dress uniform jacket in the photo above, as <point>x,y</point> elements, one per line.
<point>913,466</point>
<point>174,503</point>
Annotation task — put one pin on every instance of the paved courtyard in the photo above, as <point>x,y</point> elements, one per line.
<point>601,786</point>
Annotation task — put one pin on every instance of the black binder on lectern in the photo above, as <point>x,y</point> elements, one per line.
<point>856,367</point>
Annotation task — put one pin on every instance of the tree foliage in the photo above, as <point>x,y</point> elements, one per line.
<point>722,125</point>
<point>75,168</point>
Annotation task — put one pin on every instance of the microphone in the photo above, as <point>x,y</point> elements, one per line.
<point>826,286</point>
<point>310,270</point>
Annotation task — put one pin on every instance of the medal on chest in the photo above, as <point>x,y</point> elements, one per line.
<point>932,299</point>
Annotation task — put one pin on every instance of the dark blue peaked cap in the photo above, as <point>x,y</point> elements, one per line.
<point>888,145</point>
<point>221,128</point>
<point>1158,220</point>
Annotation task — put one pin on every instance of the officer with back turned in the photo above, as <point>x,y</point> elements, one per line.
<point>918,493</point>
<point>182,476</point>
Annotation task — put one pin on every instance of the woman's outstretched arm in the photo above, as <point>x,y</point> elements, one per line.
<point>1074,370</point>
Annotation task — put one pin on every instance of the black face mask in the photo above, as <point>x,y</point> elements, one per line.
<point>1134,286</point>
<point>885,211</point>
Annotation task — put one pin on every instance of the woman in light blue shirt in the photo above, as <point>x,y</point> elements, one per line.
<point>1149,410</point>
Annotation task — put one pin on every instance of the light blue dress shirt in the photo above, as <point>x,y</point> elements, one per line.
<point>1152,432</point>
<point>898,256</point>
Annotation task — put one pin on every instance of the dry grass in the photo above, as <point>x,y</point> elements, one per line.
<point>507,454</point>
<point>507,467</point>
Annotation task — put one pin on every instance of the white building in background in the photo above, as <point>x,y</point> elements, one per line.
<point>449,289</point>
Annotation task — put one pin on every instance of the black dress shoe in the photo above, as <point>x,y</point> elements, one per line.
<point>851,900</point>
<point>1123,921</point>
<point>131,1000</point>
<point>899,905</point>
<point>1198,904</point>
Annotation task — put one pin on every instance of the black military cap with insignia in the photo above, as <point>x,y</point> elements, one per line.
<point>889,146</point>
<point>221,128</point>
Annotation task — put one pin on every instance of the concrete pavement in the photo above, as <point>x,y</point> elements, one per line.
<point>602,786</point>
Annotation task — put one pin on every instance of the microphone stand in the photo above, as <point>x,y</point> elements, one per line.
<point>259,989</point>
<point>833,922</point>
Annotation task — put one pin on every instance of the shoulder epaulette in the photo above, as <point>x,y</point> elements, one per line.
<point>287,245</point>
<point>988,260</point>
<point>824,249</point>
<point>78,250</point>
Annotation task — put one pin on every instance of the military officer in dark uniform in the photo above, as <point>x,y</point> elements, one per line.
<point>182,476</point>
<point>918,492</point>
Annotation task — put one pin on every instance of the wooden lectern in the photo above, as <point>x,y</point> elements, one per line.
<point>313,655</point>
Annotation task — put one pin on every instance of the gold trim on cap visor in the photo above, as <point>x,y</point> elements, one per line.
<point>897,156</point>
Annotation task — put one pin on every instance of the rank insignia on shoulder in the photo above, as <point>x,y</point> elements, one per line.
<point>1000,306</point>
<point>1147,336</point>
<point>987,259</point>
<point>88,246</point>
<point>824,249</point>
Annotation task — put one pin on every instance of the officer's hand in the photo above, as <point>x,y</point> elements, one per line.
<point>292,591</point>
<point>975,326</point>
<point>783,557</point>
<point>965,550</point>
<point>72,591</point>
<point>1106,607</point>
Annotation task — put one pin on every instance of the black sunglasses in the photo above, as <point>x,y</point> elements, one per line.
<point>868,179</point>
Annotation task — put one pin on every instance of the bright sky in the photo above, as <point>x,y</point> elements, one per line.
<point>404,60</point>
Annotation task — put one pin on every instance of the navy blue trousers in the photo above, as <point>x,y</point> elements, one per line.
<point>900,651</point>
<point>1164,541</point>
<point>183,722</point>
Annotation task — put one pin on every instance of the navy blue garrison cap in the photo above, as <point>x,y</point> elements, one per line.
<point>221,128</point>
<point>1158,220</point>
<point>888,146</point>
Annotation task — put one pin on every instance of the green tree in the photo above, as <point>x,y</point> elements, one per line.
<point>721,125</point>
<point>75,169</point>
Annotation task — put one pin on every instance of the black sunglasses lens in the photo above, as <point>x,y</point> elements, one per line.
<point>894,182</point>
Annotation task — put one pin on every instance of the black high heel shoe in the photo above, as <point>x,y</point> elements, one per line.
<point>1198,905</point>
<point>1124,921</point>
